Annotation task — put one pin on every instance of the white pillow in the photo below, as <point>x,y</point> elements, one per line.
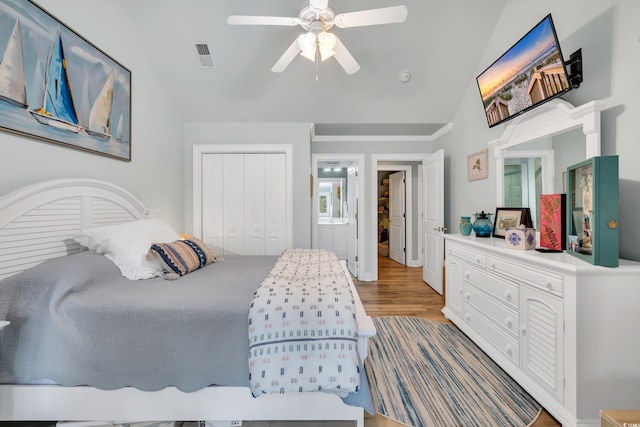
<point>127,245</point>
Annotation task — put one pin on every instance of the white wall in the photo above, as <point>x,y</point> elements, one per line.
<point>296,134</point>
<point>609,35</point>
<point>154,175</point>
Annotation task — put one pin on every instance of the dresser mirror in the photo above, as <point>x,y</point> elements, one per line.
<point>535,149</point>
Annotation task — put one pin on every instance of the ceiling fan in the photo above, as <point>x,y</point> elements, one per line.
<point>317,43</point>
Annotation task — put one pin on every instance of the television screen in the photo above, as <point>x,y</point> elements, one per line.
<point>531,72</point>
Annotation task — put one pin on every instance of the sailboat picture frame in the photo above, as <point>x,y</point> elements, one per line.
<point>58,87</point>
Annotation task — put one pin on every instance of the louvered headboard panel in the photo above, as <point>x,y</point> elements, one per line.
<point>38,221</point>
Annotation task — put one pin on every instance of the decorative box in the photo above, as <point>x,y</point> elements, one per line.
<point>592,210</point>
<point>520,238</point>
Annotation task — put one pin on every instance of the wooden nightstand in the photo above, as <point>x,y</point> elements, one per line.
<point>619,418</point>
<point>3,323</point>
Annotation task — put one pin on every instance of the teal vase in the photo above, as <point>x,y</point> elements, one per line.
<point>465,225</point>
<point>482,226</point>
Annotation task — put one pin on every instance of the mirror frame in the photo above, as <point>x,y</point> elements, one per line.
<point>551,118</point>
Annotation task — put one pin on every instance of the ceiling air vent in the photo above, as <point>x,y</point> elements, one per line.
<point>204,56</point>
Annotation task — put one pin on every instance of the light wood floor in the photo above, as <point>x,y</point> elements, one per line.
<point>400,291</point>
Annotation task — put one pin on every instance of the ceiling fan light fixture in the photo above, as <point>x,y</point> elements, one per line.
<point>307,44</point>
<point>326,43</point>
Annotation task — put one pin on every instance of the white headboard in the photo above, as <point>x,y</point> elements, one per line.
<point>37,221</point>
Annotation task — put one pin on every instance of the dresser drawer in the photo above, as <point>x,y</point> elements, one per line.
<point>506,292</point>
<point>505,344</point>
<point>539,278</point>
<point>504,317</point>
<point>474,257</point>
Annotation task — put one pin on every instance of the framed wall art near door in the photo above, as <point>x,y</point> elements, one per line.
<point>478,165</point>
<point>56,86</point>
<point>592,210</point>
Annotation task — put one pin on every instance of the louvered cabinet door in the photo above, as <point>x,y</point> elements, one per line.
<point>541,321</point>
<point>454,279</point>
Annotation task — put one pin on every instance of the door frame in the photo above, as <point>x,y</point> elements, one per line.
<point>358,159</point>
<point>408,209</point>
<point>373,204</point>
<point>201,149</point>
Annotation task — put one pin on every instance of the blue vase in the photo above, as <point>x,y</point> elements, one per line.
<point>465,225</point>
<point>482,226</point>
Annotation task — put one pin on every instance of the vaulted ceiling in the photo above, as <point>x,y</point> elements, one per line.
<point>440,45</point>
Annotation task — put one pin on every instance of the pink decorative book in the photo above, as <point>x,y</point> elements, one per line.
<point>552,221</point>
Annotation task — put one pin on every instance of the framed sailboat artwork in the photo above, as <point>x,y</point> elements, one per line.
<point>58,87</point>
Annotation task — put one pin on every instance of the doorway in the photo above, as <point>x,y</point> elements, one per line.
<point>392,214</point>
<point>336,193</point>
<point>428,195</point>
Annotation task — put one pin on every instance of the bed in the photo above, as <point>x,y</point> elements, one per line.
<point>36,225</point>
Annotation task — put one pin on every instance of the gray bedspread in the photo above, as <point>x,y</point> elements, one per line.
<point>77,321</point>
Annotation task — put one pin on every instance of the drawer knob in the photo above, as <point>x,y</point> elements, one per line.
<point>548,285</point>
<point>523,330</point>
<point>478,260</point>
<point>467,317</point>
<point>493,266</point>
<point>507,348</point>
<point>507,295</point>
<point>508,322</point>
<point>467,275</point>
<point>467,295</point>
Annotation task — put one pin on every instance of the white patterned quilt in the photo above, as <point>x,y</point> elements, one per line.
<point>302,328</point>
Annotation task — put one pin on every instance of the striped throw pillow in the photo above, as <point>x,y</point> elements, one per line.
<point>182,256</point>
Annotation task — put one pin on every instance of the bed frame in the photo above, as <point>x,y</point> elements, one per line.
<point>36,223</point>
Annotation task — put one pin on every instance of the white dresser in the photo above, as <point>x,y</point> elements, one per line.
<point>567,331</point>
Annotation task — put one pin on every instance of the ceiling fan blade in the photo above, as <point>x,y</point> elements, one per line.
<point>319,4</point>
<point>385,15</point>
<point>286,58</point>
<point>262,20</point>
<point>344,58</point>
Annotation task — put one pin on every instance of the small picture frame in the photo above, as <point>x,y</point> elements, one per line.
<point>510,218</point>
<point>478,165</point>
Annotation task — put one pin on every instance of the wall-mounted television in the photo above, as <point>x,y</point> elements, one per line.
<point>530,73</point>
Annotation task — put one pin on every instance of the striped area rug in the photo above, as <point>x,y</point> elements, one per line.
<point>425,373</point>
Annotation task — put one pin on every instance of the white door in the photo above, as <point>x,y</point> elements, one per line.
<point>233,204</point>
<point>244,203</point>
<point>275,196</point>
<point>397,217</point>
<point>212,208</point>
<point>352,215</point>
<point>433,220</point>
<point>254,204</point>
